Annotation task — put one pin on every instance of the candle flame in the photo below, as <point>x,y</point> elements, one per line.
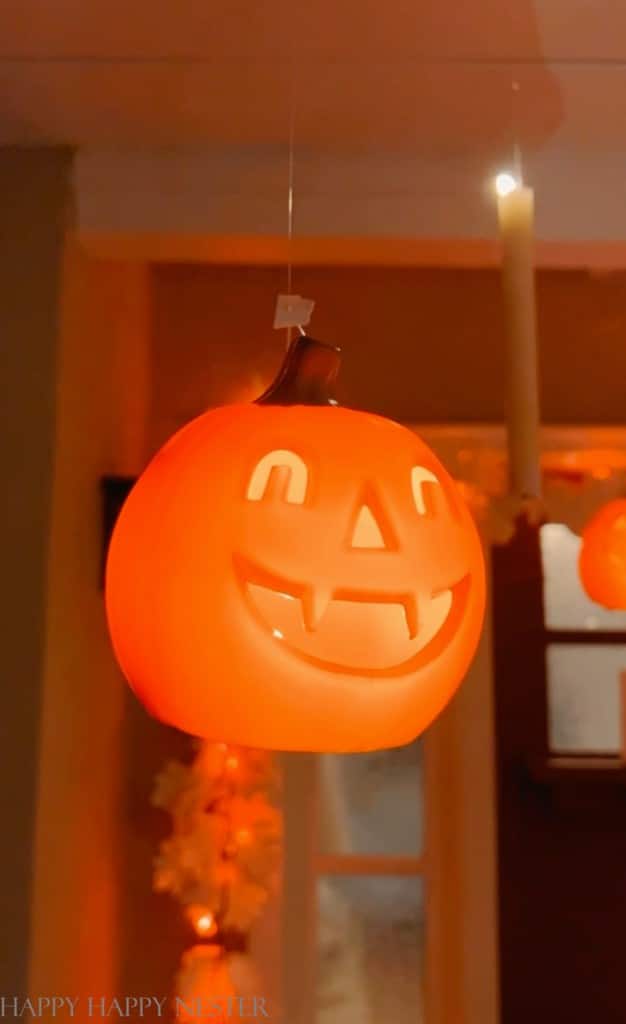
<point>506,183</point>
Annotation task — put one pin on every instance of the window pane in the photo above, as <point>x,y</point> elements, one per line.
<point>584,703</point>
<point>372,803</point>
<point>370,950</point>
<point>566,604</point>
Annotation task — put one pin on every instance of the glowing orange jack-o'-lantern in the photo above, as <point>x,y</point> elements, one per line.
<point>295,576</point>
<point>602,562</point>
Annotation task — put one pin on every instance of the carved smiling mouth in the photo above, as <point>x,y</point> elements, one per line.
<point>359,632</point>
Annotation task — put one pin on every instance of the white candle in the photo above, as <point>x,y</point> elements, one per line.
<point>516,219</point>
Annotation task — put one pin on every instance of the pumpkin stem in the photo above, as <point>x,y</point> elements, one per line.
<point>307,376</point>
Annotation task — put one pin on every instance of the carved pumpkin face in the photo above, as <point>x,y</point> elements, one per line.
<point>296,578</point>
<point>602,562</point>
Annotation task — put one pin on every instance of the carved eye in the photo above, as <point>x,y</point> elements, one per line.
<point>279,473</point>
<point>420,476</point>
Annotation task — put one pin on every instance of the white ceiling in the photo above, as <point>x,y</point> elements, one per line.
<point>424,77</point>
<point>222,29</point>
<point>400,111</point>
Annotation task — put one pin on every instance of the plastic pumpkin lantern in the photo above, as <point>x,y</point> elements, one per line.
<point>295,575</point>
<point>602,561</point>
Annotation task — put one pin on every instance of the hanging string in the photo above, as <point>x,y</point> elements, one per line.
<point>290,176</point>
<point>290,200</point>
<point>515,131</point>
<point>291,312</point>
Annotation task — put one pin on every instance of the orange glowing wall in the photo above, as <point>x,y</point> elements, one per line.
<point>101,387</point>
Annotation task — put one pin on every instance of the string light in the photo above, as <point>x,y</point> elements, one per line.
<point>205,924</point>
<point>202,920</point>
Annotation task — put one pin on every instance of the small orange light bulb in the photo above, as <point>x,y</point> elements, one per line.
<point>204,924</point>
<point>202,920</point>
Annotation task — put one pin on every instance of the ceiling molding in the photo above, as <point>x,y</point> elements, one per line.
<point>273,250</point>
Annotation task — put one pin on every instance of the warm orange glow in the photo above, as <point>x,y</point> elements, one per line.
<point>205,985</point>
<point>205,924</point>
<point>295,577</point>
<point>231,764</point>
<point>202,920</point>
<point>226,873</point>
<point>602,562</point>
<point>243,837</point>
<point>599,463</point>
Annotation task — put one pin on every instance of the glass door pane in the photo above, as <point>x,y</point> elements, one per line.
<point>372,803</point>
<point>584,697</point>
<point>370,950</point>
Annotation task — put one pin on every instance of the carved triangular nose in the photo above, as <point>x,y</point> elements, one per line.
<point>367,533</point>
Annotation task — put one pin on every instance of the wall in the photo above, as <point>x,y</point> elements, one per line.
<point>33,215</point>
<point>80,831</point>
<point>74,383</point>
<point>418,192</point>
<point>421,345</point>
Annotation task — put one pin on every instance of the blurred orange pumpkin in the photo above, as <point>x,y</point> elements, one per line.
<point>602,561</point>
<point>295,576</point>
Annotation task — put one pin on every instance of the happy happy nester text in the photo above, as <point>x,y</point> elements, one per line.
<point>48,1007</point>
